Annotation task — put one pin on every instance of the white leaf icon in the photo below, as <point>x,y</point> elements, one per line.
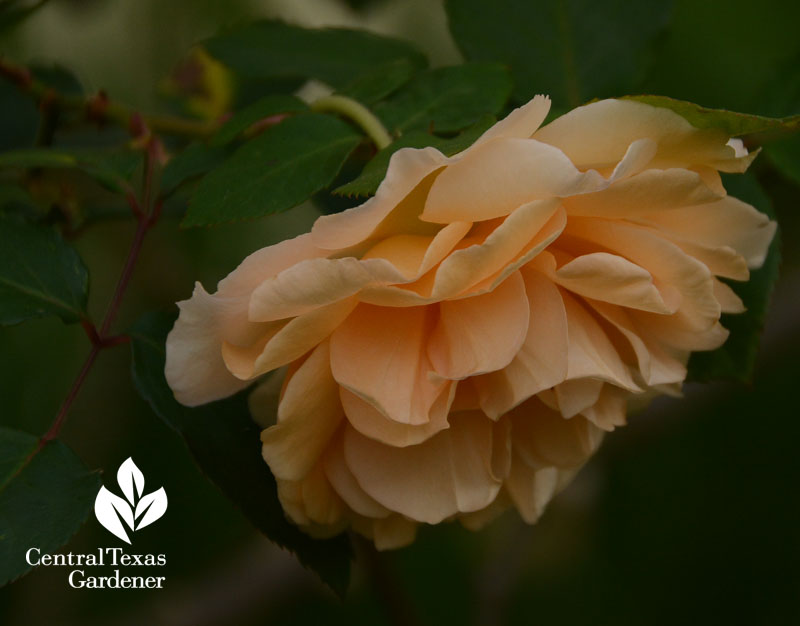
<point>151,507</point>
<point>128,477</point>
<point>108,509</point>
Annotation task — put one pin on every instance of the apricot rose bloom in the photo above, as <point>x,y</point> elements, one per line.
<point>459,343</point>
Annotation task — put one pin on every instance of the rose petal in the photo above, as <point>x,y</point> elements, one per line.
<point>480,334</point>
<point>306,420</point>
<point>379,354</point>
<point>429,482</point>
<point>500,175</point>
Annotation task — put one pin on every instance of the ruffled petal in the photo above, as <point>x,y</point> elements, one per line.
<point>500,175</point>
<point>309,414</point>
<point>480,334</point>
<point>445,475</point>
<point>379,354</point>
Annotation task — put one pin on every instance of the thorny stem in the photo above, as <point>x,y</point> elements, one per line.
<point>146,212</point>
<point>99,108</point>
<point>357,113</point>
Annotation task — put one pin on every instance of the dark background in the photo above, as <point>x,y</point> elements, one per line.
<point>688,515</point>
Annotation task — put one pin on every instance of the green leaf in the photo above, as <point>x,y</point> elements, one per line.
<point>225,443</point>
<point>732,124</point>
<point>375,170</point>
<point>447,99</point>
<point>572,50</point>
<point>44,498</point>
<point>273,49</point>
<point>380,81</point>
<point>735,359</point>
<point>190,163</point>
<point>263,108</point>
<point>37,157</point>
<point>39,274</point>
<point>275,171</point>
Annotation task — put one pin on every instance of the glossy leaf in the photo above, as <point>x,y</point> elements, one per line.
<point>735,359</point>
<point>572,50</point>
<point>44,499</point>
<point>273,49</point>
<point>275,171</point>
<point>225,444</point>
<point>190,163</point>
<point>264,108</point>
<point>40,274</point>
<point>378,82</point>
<point>447,99</point>
<point>375,170</point>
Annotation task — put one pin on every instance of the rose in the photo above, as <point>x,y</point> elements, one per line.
<point>459,343</point>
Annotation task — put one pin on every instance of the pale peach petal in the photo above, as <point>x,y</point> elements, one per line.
<point>610,409</point>
<point>369,421</point>
<point>665,261</point>
<point>308,415</point>
<point>591,353</point>
<point>268,262</point>
<point>194,369</point>
<point>656,366</point>
<point>584,136</point>
<point>480,334</point>
<point>517,235</point>
<point>531,489</point>
<point>522,122</point>
<point>648,192</point>
<point>345,484</point>
<point>313,504</point>
<point>315,283</point>
<point>407,168</point>
<point>445,475</point>
<point>614,279</point>
<point>675,332</point>
<point>379,354</point>
<point>288,342</point>
<point>543,438</point>
<point>542,359</point>
<point>500,175</point>
<point>577,395</point>
<point>727,222</point>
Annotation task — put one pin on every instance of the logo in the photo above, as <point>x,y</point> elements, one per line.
<point>136,510</point>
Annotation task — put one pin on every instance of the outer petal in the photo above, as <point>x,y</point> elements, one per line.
<point>585,137</point>
<point>195,370</point>
<point>498,176</point>
<point>308,415</point>
<point>727,222</point>
<point>407,168</point>
<point>447,474</point>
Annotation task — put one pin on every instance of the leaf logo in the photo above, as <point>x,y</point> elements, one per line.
<point>136,510</point>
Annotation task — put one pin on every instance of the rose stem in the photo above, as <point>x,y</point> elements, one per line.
<point>357,113</point>
<point>146,212</point>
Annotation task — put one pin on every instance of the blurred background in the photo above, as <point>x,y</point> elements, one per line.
<point>691,514</point>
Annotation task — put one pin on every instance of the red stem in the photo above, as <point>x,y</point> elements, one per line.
<point>145,218</point>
